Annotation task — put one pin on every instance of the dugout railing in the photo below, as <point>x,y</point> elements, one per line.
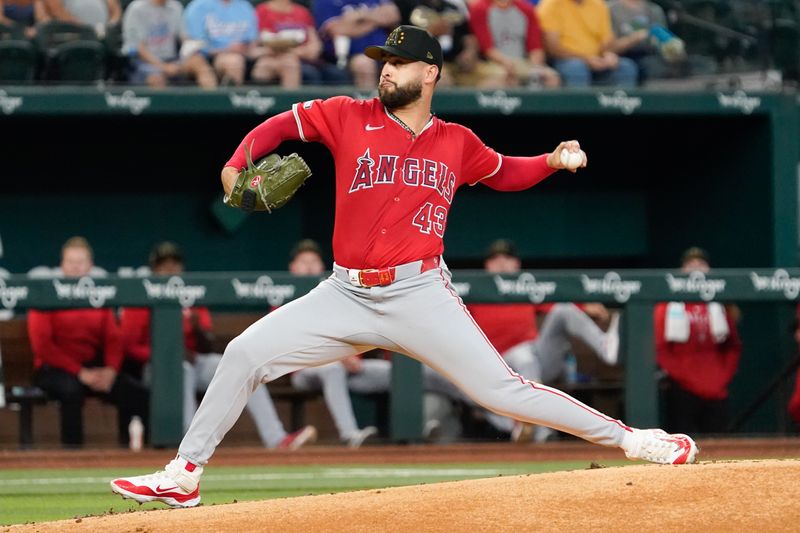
<point>635,291</point>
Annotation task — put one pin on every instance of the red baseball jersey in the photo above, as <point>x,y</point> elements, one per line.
<point>700,365</point>
<point>794,402</point>
<point>135,325</point>
<point>69,338</point>
<point>393,189</point>
<point>506,325</point>
<point>296,18</point>
<point>488,31</point>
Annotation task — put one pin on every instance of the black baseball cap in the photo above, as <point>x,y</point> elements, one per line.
<point>305,245</point>
<point>409,42</point>
<point>165,251</point>
<point>695,252</point>
<point>502,247</point>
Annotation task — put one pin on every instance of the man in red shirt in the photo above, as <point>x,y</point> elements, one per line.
<point>510,38</point>
<point>512,330</point>
<point>397,168</point>
<point>698,348</point>
<point>78,352</point>
<point>794,401</point>
<point>200,362</point>
<point>288,31</point>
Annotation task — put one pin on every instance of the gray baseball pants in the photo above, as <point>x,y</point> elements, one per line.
<point>422,317</point>
<point>542,359</point>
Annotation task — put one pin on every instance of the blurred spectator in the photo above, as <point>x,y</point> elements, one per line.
<point>332,378</point>
<point>347,27</point>
<point>78,353</point>
<point>640,27</point>
<point>199,361</point>
<point>539,355</point>
<point>290,41</point>
<point>25,13</point>
<point>364,375</point>
<point>5,314</point>
<point>794,401</point>
<point>227,33</point>
<point>510,38</point>
<point>578,37</point>
<point>448,21</point>
<point>99,14</point>
<point>698,348</point>
<point>151,33</point>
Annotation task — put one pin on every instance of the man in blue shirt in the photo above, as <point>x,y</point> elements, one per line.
<point>227,32</point>
<point>347,27</point>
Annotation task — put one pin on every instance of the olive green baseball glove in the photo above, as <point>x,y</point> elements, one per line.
<point>269,184</point>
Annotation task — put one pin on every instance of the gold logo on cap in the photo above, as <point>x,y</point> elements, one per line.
<point>396,37</point>
<point>429,55</point>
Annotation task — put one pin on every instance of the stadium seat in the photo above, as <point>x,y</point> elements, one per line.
<point>71,53</point>
<point>786,48</point>
<point>118,63</point>
<point>17,55</point>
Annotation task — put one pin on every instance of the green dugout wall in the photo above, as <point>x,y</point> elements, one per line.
<point>635,290</point>
<point>667,170</point>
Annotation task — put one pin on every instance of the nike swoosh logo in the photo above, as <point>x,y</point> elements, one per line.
<point>159,490</point>
<point>685,448</point>
<point>370,128</point>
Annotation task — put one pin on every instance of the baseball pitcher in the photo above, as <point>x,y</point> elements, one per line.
<point>397,169</point>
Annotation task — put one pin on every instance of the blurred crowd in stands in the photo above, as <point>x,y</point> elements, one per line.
<point>487,44</point>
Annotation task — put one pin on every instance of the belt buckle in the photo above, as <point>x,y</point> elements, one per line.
<point>372,277</point>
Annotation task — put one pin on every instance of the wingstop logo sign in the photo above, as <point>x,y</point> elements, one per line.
<point>780,282</point>
<point>499,100</point>
<point>739,100</point>
<point>263,289</point>
<point>461,288</point>
<point>175,289</point>
<point>526,284</point>
<point>613,284</point>
<point>253,100</point>
<point>10,295</point>
<point>85,289</point>
<point>620,100</point>
<point>696,283</point>
<point>9,104</point>
<point>128,100</point>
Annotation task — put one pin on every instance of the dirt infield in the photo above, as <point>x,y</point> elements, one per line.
<point>710,496</point>
<point>739,483</point>
<point>734,448</point>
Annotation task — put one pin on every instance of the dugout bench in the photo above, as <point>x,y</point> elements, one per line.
<point>635,291</point>
<point>22,397</point>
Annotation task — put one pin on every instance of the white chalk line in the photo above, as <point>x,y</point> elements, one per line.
<point>343,473</point>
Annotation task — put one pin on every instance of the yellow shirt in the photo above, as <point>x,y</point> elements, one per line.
<point>582,26</point>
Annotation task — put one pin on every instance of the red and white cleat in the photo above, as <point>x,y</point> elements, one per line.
<point>658,446</point>
<point>295,440</point>
<point>178,485</point>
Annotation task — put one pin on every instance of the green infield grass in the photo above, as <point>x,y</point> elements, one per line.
<point>36,495</point>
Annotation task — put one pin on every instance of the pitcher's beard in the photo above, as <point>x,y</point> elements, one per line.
<point>400,96</point>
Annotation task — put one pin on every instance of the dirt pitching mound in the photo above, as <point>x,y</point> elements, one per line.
<point>711,496</point>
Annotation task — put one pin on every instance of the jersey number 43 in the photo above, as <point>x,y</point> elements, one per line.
<point>429,217</point>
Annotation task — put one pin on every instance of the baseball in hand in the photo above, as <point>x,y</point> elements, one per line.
<point>571,160</point>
